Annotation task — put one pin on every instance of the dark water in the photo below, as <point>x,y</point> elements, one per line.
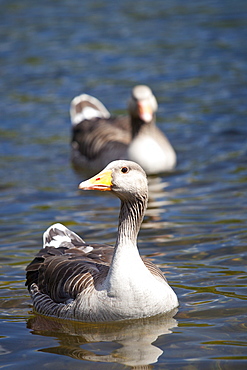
<point>193,55</point>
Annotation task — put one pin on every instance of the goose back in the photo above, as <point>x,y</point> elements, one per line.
<point>64,272</point>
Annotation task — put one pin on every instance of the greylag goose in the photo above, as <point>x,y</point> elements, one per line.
<point>72,279</point>
<point>98,138</point>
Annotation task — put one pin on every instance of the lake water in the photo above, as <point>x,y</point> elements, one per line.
<point>193,55</point>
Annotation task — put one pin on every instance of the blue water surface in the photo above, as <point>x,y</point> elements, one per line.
<point>193,55</point>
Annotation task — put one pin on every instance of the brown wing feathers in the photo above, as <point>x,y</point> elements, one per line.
<point>63,273</point>
<point>94,136</point>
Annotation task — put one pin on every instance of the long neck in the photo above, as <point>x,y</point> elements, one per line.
<point>127,267</point>
<point>130,219</point>
<point>138,125</point>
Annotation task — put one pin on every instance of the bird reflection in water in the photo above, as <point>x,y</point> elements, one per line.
<point>124,342</point>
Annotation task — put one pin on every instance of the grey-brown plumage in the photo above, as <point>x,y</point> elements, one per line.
<point>98,138</point>
<point>95,282</point>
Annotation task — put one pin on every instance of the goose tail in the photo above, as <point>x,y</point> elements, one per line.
<point>57,235</point>
<point>86,107</point>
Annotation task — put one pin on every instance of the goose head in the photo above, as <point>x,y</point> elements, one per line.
<point>124,178</point>
<point>142,104</point>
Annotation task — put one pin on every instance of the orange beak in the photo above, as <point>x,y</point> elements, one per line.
<point>102,181</point>
<point>145,111</point>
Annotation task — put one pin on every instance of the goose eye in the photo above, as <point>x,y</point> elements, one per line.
<point>124,169</point>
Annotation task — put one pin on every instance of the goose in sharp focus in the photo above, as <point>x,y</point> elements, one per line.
<point>98,138</point>
<point>72,279</point>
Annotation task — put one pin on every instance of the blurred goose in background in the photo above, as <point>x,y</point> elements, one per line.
<point>98,138</point>
<point>72,279</point>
